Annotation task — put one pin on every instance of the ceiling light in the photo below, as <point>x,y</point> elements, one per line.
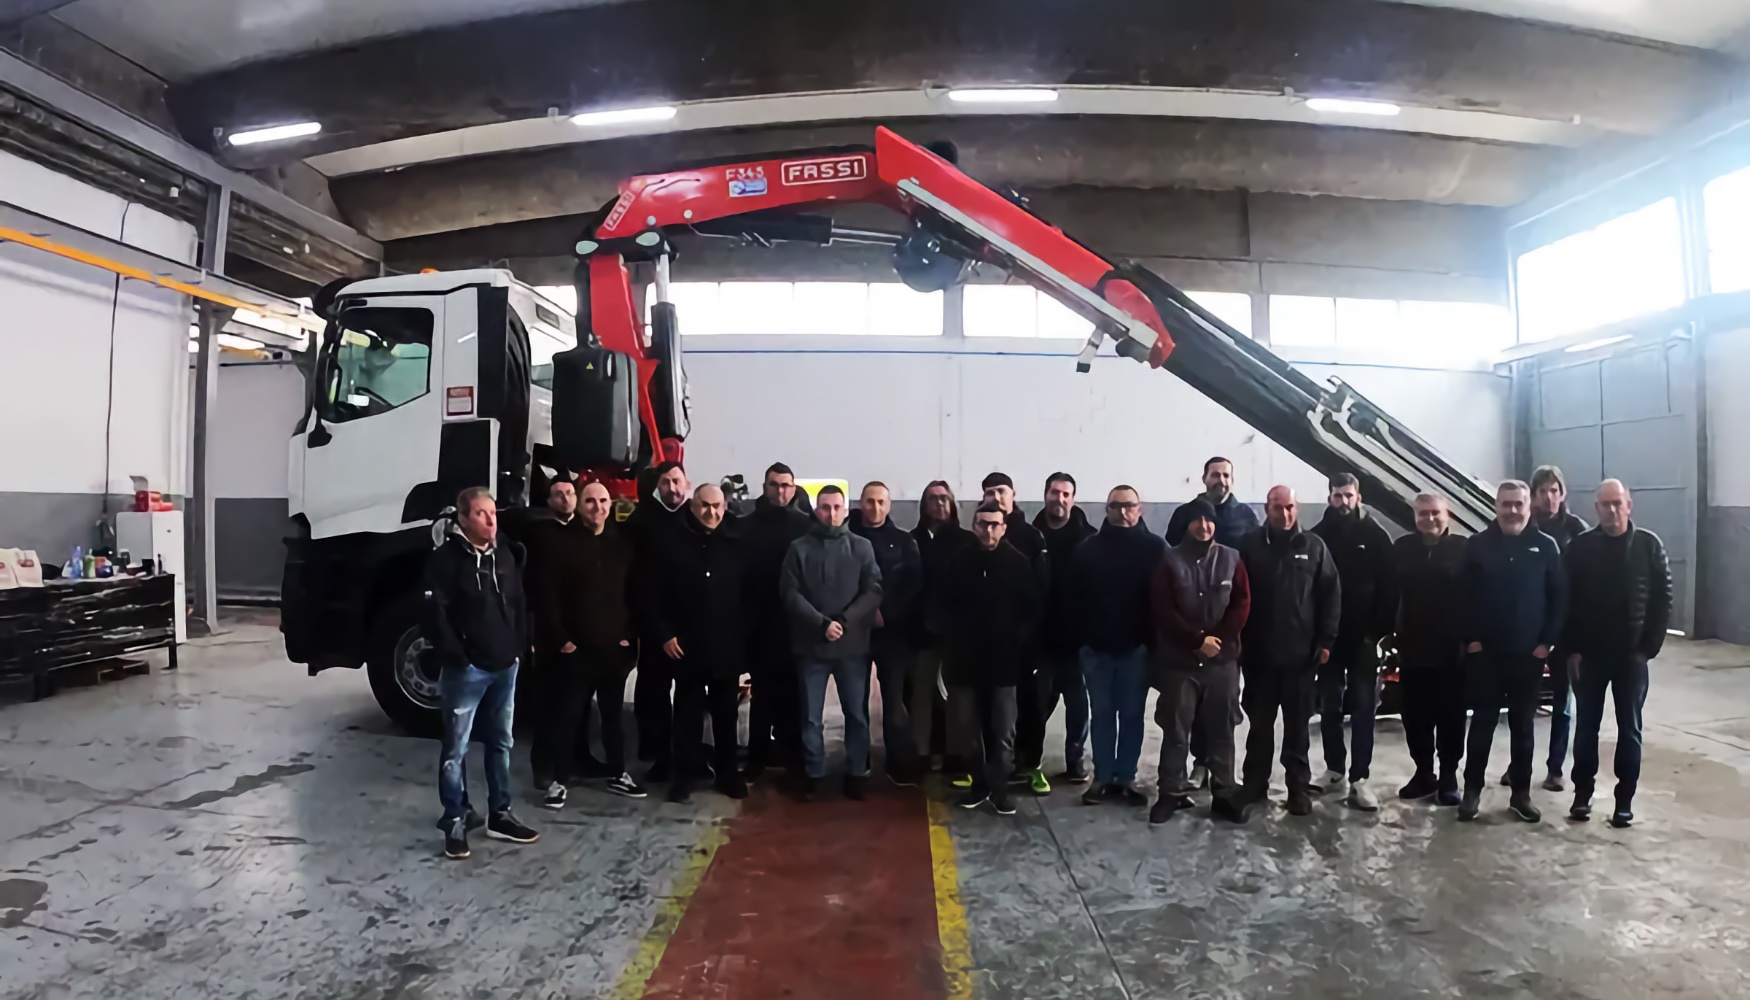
<point>1344,106</point>
<point>1015,95</point>
<point>249,137</point>
<point>1594,344</point>
<point>624,116</point>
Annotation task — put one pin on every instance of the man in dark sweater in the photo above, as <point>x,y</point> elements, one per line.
<point>1550,515</point>
<point>902,578</point>
<point>1201,599</point>
<point>556,758</point>
<point>655,522</point>
<point>1296,607</point>
<point>1030,542</point>
<point>1064,527</point>
<point>477,621</point>
<point>1430,650</point>
<point>1619,581</point>
<point>775,712</point>
<point>1233,519</point>
<point>1515,598</point>
<point>987,611</point>
<point>939,535</point>
<point>1362,551</point>
<point>1108,589</point>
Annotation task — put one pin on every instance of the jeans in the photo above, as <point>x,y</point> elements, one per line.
<point>1117,694</point>
<point>1434,714</point>
<point>1059,676</point>
<point>1203,699</point>
<point>1626,677</point>
<point>893,669</point>
<point>1495,680</point>
<point>1351,676</point>
<point>1269,691</point>
<point>983,721</point>
<point>852,677</point>
<point>1561,710</point>
<point>467,694</point>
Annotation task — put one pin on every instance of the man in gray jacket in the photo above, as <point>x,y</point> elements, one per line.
<point>831,590</point>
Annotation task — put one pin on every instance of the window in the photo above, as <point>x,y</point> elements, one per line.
<point>381,360</point>
<point>563,296</point>
<point>542,347</point>
<point>1020,311</point>
<point>820,308</point>
<point>1232,308</point>
<point>1425,331</point>
<point>1726,202</point>
<point>1630,266</point>
<point>1303,321</point>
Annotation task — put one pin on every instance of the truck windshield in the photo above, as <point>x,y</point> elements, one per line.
<point>380,360</point>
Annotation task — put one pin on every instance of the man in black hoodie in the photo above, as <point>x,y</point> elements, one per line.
<point>477,622</point>
<point>1430,650</point>
<point>775,713</point>
<point>987,611</point>
<point>653,524</point>
<point>902,578</point>
<point>1362,551</point>
<point>1550,515</point>
<point>1289,633</point>
<point>939,535</point>
<point>1026,539</point>
<point>1064,527</point>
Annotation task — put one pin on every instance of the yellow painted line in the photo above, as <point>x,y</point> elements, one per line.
<point>668,916</point>
<point>951,924</point>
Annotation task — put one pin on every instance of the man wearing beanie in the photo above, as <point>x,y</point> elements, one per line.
<point>999,489</point>
<point>1201,599</point>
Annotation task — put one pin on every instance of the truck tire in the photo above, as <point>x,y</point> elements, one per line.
<point>401,679</point>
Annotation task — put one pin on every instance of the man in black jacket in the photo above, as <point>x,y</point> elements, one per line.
<point>477,621</point>
<point>775,713</point>
<point>902,578</point>
<point>1514,599</point>
<point>655,522</point>
<point>1064,527</point>
<point>1430,650</point>
<point>1550,515</point>
<point>987,611</point>
<point>558,756</point>
<point>1108,591</point>
<point>699,625</point>
<point>1026,539</point>
<point>1620,587</point>
<point>939,535</point>
<point>1362,551</point>
<point>1292,625</point>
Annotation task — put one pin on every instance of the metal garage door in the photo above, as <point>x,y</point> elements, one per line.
<point>1628,414</point>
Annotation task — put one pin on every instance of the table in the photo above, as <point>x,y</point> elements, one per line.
<point>66,623</point>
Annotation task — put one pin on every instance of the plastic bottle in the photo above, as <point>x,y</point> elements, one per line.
<point>88,569</point>
<point>75,564</point>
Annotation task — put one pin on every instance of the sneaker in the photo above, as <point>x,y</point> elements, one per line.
<point>1002,803</point>
<point>1470,805</point>
<point>1581,810</point>
<point>1553,783</point>
<point>1448,794</point>
<point>1420,786</point>
<point>1199,776</point>
<point>624,785</point>
<point>973,798</point>
<point>1330,783</point>
<point>962,781</point>
<point>1520,805</point>
<point>1036,782</point>
<point>1361,797</point>
<point>1506,779</point>
<point>1132,796</point>
<point>456,841</point>
<point>555,797</point>
<point>1233,808</point>
<point>732,785</point>
<point>1075,773</point>
<point>904,775</point>
<point>1299,802</point>
<point>679,793</point>
<point>1162,811</point>
<point>473,821</point>
<point>1094,795</point>
<point>504,826</point>
<point>1623,818</point>
<point>856,787</point>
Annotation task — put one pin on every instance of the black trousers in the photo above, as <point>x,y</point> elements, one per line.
<point>1625,676</point>
<point>774,736</point>
<point>1495,680</point>
<point>1434,714</point>
<point>1031,714</point>
<point>1059,677</point>
<point>1195,701</point>
<point>1269,692</point>
<point>983,721</point>
<point>697,694</point>
<point>569,683</point>
<point>651,707</point>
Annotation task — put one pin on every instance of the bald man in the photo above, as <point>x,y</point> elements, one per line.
<point>1619,583</point>
<point>1296,608</point>
<point>1430,650</point>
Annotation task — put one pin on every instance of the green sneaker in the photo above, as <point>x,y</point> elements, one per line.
<point>1036,781</point>
<point>962,781</point>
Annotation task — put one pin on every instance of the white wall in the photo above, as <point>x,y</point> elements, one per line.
<point>1728,419</point>
<point>909,411</point>
<point>55,350</point>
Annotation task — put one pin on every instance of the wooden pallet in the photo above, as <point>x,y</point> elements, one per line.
<point>39,686</point>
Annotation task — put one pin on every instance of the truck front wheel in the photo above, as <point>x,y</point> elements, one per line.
<point>404,681</point>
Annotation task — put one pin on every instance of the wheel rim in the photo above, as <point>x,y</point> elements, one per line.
<point>417,681</point>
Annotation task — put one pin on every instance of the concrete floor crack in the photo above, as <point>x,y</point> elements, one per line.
<point>1082,898</point>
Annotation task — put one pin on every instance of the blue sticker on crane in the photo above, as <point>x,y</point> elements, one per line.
<point>746,182</point>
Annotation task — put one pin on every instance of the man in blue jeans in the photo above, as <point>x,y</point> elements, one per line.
<point>831,589</point>
<point>477,621</point>
<point>1109,577</point>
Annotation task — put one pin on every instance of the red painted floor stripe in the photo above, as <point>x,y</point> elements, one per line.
<point>831,899</point>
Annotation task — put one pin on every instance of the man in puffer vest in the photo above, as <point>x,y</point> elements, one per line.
<point>1201,599</point>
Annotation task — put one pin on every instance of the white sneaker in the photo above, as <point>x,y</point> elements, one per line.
<point>1362,797</point>
<point>1331,783</point>
<point>555,798</point>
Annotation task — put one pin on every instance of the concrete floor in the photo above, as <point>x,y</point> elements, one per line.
<point>241,830</point>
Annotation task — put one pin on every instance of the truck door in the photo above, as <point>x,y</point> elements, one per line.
<point>376,415</point>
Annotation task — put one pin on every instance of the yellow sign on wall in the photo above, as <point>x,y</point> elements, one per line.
<point>812,486</point>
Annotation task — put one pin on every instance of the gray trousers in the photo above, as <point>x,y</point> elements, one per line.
<point>982,727</point>
<point>1203,704</point>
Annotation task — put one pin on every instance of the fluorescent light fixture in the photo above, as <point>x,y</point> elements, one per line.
<point>237,343</point>
<point>625,116</point>
<point>1675,632</point>
<point>1346,106</point>
<point>275,133</point>
<point>1012,95</point>
<point>1594,344</point>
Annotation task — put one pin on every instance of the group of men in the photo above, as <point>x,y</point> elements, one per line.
<point>974,636</point>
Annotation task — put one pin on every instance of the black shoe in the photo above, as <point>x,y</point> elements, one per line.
<point>1448,794</point>
<point>1161,813</point>
<point>473,821</point>
<point>805,789</point>
<point>1422,785</point>
<point>904,775</point>
<point>1233,808</point>
<point>1075,773</point>
<point>1001,802</point>
<point>1132,796</point>
<point>555,797</point>
<point>1581,810</point>
<point>504,826</point>
<point>1094,795</point>
<point>1553,783</point>
<point>456,841</point>
<point>973,798</point>
<point>1623,818</point>
<point>659,773</point>
<point>1299,802</point>
<point>624,785</point>
<point>731,784</point>
<point>1520,805</point>
<point>1470,805</point>
<point>679,793</point>
<point>856,787</point>
<point>753,773</point>
<point>1506,779</point>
